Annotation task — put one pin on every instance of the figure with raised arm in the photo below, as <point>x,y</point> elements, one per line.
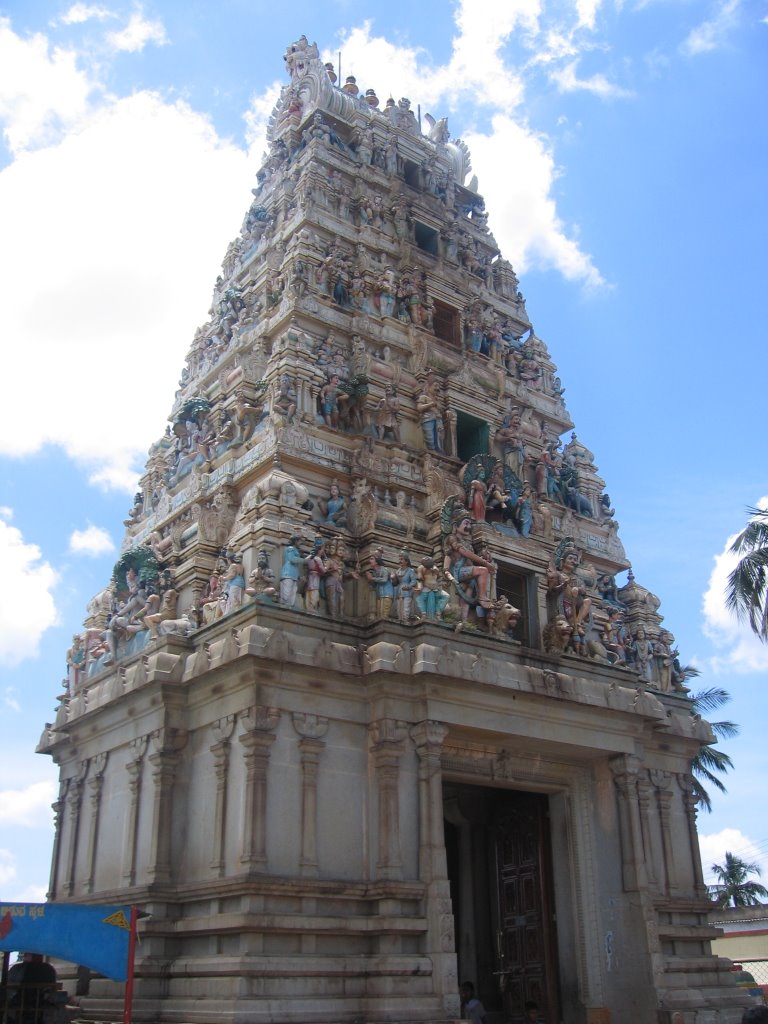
<point>471,574</point>
<point>290,570</point>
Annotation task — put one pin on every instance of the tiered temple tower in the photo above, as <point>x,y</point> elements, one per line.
<point>363,709</point>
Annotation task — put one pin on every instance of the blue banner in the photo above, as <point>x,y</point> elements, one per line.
<point>95,936</point>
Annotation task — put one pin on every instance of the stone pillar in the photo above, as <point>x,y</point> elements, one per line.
<point>625,769</point>
<point>259,723</point>
<point>688,786</point>
<point>311,728</point>
<point>96,783</point>
<point>134,768</point>
<point>58,810</point>
<point>662,782</point>
<point>386,744</point>
<point>428,737</point>
<point>222,731</point>
<point>166,744</point>
<point>74,801</point>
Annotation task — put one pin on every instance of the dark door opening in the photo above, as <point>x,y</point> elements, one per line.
<point>499,867</point>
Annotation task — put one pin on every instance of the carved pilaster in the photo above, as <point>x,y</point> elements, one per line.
<point>662,782</point>
<point>259,724</point>
<point>688,787</point>
<point>134,768</point>
<point>625,774</point>
<point>311,728</point>
<point>222,731</point>
<point>386,737</point>
<point>428,737</point>
<point>450,418</point>
<point>96,784</point>
<point>166,745</point>
<point>643,803</point>
<point>58,810</point>
<point>74,802</point>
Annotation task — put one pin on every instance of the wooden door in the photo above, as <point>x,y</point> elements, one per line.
<point>526,945</point>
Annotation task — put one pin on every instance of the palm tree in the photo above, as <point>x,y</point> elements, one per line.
<point>709,759</point>
<point>747,589</point>
<point>734,888</point>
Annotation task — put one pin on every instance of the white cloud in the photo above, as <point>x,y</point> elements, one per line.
<point>518,172</point>
<point>91,541</point>
<point>134,254</point>
<point>7,867</point>
<point>518,187</point>
<point>27,607</point>
<point>714,847</point>
<point>256,118</point>
<point>567,80</point>
<point>80,12</point>
<point>137,33</point>
<point>711,34</point>
<point>475,70</point>
<point>42,90</point>
<point>742,651</point>
<point>30,894</point>
<point>29,807</point>
<point>9,699</point>
<point>587,12</point>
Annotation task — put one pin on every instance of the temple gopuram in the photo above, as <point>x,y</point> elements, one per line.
<point>373,703</point>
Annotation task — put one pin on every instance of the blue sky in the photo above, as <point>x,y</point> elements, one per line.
<point>622,151</point>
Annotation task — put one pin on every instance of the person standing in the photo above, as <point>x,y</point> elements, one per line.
<point>471,1007</point>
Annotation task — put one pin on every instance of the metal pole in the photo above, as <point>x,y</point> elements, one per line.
<point>128,1001</point>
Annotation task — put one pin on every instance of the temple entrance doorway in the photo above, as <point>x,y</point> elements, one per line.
<point>500,871</point>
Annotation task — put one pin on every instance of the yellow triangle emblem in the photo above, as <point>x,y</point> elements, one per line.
<point>118,919</point>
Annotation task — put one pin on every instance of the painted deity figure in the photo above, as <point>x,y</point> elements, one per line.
<point>315,572</point>
<point>386,287</point>
<point>497,497</point>
<point>380,579</point>
<point>642,654</point>
<point>285,400</point>
<point>565,587</point>
<point>547,470</point>
<point>126,619</point>
<point>471,575</point>
<point>290,571</point>
<point>261,582</point>
<point>234,584</point>
<point>214,600</point>
<point>75,662</point>
<point>478,491</point>
<point>331,397</point>
<point>523,514</point>
<point>428,408</point>
<point>335,574</point>
<point>165,612</point>
<point>431,599</point>
<point>509,435</point>
<point>388,416</point>
<point>614,636</point>
<point>405,585</point>
<point>335,508</point>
